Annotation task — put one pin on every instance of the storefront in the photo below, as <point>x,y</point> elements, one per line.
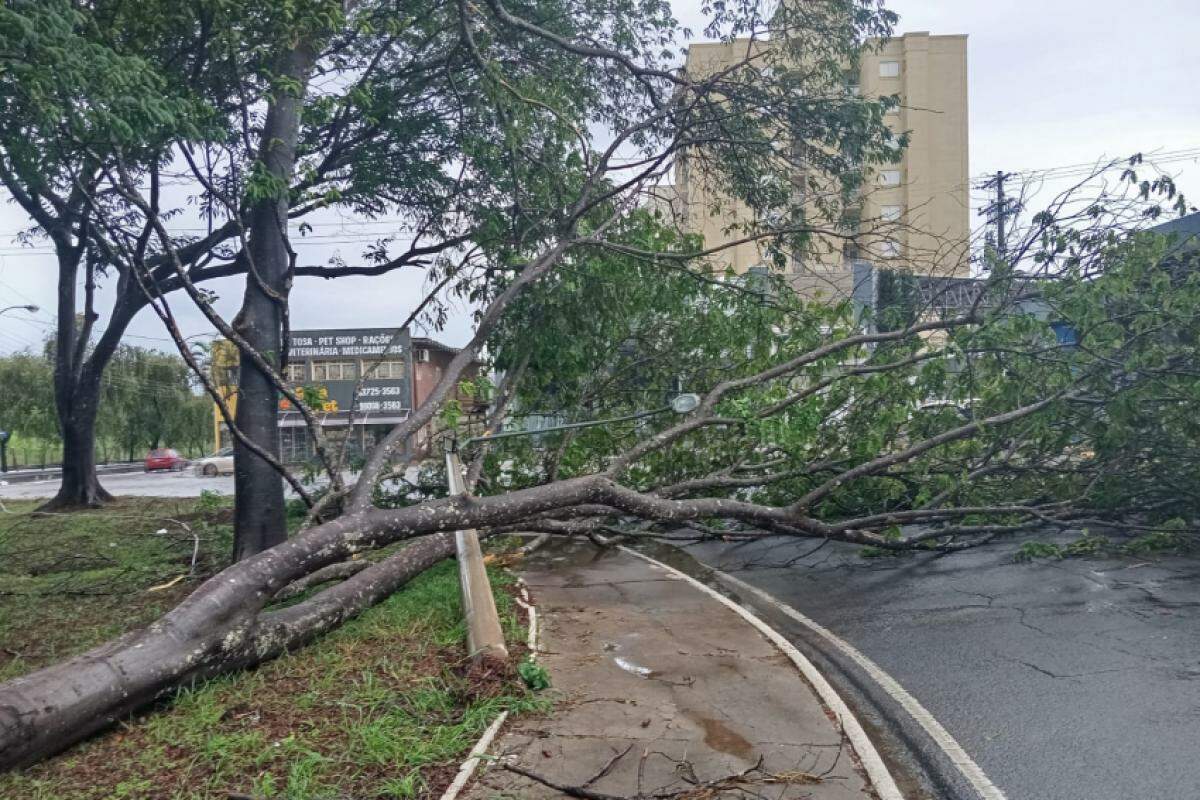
<point>357,383</point>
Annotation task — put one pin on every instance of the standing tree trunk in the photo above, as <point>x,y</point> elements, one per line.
<point>77,383</point>
<point>259,515</point>
<point>80,485</point>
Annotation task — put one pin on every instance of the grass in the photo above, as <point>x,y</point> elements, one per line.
<point>384,707</point>
<point>70,581</point>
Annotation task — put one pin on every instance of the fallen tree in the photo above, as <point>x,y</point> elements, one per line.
<point>227,623</point>
<point>813,421</point>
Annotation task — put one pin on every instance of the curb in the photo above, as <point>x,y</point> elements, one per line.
<point>47,475</point>
<point>970,771</point>
<point>877,772</point>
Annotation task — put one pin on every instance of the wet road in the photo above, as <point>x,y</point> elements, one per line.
<point>1063,680</point>
<point>143,484</point>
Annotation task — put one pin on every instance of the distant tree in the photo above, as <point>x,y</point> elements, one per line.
<point>27,398</point>
<point>148,401</point>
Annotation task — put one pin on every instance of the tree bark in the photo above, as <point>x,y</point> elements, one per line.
<point>80,487</point>
<point>259,512</point>
<point>218,629</point>
<point>77,384</point>
<point>222,626</point>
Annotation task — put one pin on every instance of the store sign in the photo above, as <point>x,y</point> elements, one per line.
<point>323,344</point>
<point>389,397</point>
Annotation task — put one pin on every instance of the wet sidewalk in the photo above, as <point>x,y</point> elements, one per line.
<point>661,689</point>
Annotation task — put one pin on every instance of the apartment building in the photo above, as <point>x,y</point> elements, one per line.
<point>912,214</point>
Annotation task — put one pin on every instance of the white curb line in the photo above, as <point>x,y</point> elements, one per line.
<point>877,771</point>
<point>467,768</point>
<point>973,773</point>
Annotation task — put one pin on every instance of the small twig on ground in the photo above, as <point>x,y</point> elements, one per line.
<point>168,584</point>
<point>607,768</point>
<point>570,791</point>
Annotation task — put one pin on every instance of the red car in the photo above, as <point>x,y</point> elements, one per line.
<point>165,458</point>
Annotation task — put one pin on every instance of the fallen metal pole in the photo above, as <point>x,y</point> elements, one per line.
<point>485,638</point>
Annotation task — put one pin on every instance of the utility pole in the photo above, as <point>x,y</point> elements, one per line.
<point>1001,211</point>
<point>485,637</point>
<point>998,211</point>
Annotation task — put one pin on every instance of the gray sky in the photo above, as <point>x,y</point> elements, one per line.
<point>1052,82</point>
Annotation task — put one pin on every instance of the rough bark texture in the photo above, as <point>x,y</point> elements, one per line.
<point>49,710</point>
<point>77,384</point>
<point>222,626</point>
<point>259,514</point>
<point>80,485</point>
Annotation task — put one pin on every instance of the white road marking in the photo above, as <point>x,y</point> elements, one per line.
<point>953,750</point>
<point>877,771</point>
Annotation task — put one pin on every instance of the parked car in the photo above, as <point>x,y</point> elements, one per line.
<point>219,463</point>
<point>165,458</point>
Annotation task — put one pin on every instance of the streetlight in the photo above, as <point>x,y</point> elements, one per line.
<point>681,404</point>
<point>32,309</point>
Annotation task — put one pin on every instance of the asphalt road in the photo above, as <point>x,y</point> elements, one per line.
<point>1066,680</point>
<point>145,484</point>
<point>142,484</point>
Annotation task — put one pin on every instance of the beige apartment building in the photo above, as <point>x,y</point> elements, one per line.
<point>913,214</point>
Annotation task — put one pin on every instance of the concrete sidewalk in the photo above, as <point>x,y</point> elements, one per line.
<point>663,689</point>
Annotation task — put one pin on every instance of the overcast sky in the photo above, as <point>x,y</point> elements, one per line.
<point>1052,82</point>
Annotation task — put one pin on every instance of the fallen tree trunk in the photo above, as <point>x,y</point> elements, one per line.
<point>334,572</point>
<point>223,626</point>
<point>49,710</point>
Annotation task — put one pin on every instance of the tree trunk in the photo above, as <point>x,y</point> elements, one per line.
<point>77,400</point>
<point>259,513</point>
<point>222,625</point>
<point>49,710</point>
<point>80,487</point>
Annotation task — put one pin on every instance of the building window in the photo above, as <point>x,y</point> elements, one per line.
<point>334,371</point>
<point>384,370</point>
<point>891,213</point>
<point>850,78</point>
<point>889,249</point>
<point>889,69</point>
<point>294,445</point>
<point>297,372</point>
<point>889,177</point>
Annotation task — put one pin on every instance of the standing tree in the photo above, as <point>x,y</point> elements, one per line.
<point>120,117</point>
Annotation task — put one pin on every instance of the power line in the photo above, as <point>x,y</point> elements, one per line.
<point>294,227</point>
<point>296,243</point>
<point>1082,168</point>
